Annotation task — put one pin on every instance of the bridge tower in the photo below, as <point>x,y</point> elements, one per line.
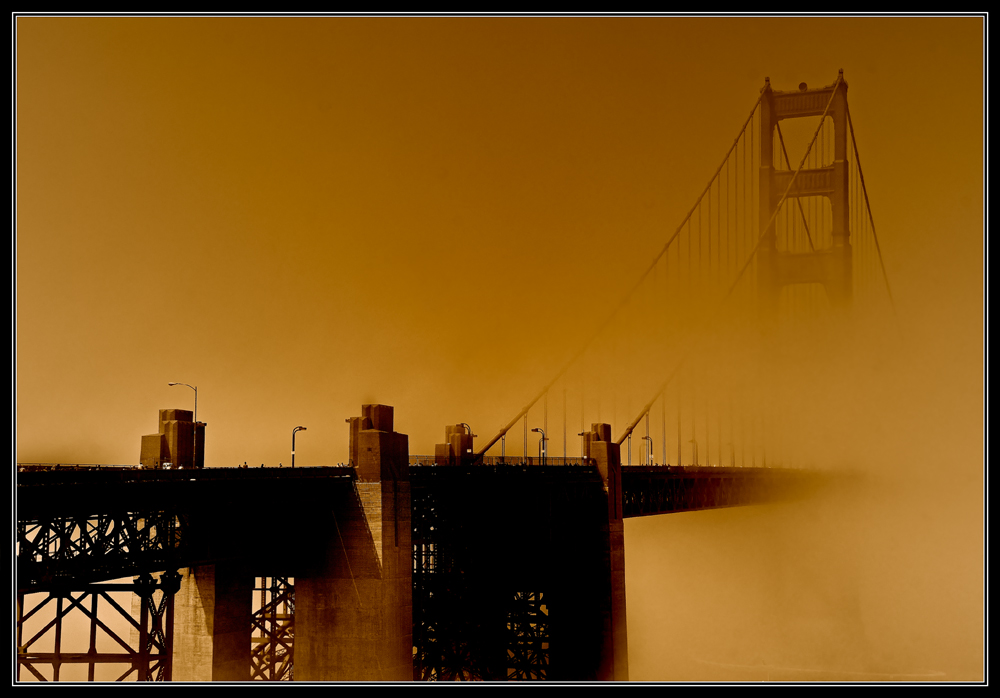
<point>830,267</point>
<point>353,596</point>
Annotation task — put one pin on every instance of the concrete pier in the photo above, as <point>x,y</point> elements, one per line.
<point>212,623</point>
<point>353,615</point>
<point>614,635</point>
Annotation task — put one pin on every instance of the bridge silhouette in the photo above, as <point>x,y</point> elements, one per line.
<point>470,564</point>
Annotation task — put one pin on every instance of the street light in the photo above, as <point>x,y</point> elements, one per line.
<point>649,446</point>
<point>194,434</point>
<point>195,389</point>
<point>469,429</point>
<point>293,442</point>
<point>542,450</point>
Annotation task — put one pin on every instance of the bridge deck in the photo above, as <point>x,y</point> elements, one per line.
<point>98,523</point>
<point>653,489</point>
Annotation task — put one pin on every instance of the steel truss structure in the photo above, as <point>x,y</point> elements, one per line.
<point>87,547</point>
<point>478,618</point>
<point>142,653</point>
<point>477,613</point>
<point>443,649</point>
<point>272,642</point>
<point>527,637</point>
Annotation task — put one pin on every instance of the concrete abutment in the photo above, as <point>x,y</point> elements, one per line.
<point>354,584</point>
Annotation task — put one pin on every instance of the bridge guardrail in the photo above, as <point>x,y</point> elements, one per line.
<point>507,460</point>
<point>32,467</point>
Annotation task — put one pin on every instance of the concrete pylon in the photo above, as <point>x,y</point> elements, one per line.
<point>599,446</point>
<point>832,267</point>
<point>353,602</point>
<point>457,449</point>
<point>179,444</point>
<point>212,624</point>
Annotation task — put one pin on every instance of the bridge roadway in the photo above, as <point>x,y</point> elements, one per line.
<point>517,569</point>
<point>77,523</point>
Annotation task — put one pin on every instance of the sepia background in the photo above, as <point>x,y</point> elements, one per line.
<point>301,215</point>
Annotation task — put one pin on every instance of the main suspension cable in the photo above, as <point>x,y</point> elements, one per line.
<point>871,220</point>
<point>753,253</point>
<point>788,162</point>
<point>621,304</point>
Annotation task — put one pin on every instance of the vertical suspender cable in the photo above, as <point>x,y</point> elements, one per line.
<point>868,206</point>
<point>746,265</point>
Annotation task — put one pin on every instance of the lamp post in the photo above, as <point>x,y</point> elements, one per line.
<point>194,435</point>
<point>649,446</point>
<point>293,442</point>
<point>195,389</point>
<point>469,450</point>
<point>525,451</point>
<point>542,450</point>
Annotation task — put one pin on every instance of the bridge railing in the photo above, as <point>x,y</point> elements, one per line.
<point>32,467</point>
<point>507,460</point>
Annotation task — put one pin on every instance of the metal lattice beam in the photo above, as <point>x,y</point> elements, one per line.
<point>476,618</point>
<point>82,547</point>
<point>145,653</point>
<point>272,648</point>
<point>528,637</point>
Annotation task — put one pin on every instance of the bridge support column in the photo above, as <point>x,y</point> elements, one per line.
<point>212,624</point>
<point>614,635</point>
<point>353,614</point>
<point>831,267</point>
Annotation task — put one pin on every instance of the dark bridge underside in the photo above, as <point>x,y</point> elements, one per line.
<point>507,574</point>
<point>510,562</point>
<point>89,525</point>
<point>652,489</point>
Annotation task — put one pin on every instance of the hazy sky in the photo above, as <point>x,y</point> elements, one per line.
<point>299,215</point>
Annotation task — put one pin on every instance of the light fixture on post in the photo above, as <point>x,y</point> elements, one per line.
<point>542,450</point>
<point>649,452</point>
<point>649,449</point>
<point>293,442</point>
<point>194,434</point>
<point>469,429</point>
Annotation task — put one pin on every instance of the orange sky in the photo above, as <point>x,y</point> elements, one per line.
<point>300,215</point>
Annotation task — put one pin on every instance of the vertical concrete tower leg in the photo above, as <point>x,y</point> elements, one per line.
<point>614,640</point>
<point>354,608</point>
<point>768,288</point>
<point>212,624</point>
<point>831,267</point>
<point>840,289</point>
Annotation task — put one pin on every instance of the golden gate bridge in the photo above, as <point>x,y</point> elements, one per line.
<point>392,567</point>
